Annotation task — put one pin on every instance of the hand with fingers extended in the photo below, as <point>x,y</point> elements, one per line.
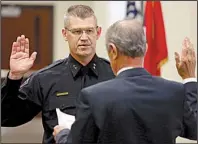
<point>186,63</point>
<point>20,60</point>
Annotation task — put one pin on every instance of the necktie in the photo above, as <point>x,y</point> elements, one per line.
<point>84,71</point>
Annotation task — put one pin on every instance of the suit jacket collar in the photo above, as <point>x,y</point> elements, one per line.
<point>133,72</point>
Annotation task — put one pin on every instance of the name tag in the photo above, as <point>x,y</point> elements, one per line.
<point>62,94</point>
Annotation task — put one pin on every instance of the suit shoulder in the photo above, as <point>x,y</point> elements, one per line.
<point>99,91</point>
<point>168,82</point>
<point>101,86</point>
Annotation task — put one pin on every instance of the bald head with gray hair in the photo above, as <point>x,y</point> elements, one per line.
<point>80,11</point>
<point>128,36</point>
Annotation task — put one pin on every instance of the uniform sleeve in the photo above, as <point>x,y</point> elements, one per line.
<point>20,103</point>
<point>190,111</point>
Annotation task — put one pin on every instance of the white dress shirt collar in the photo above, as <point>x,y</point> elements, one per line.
<point>124,69</point>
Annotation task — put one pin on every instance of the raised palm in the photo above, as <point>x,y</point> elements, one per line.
<point>186,63</point>
<point>20,60</point>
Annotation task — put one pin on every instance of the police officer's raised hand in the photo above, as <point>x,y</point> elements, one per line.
<point>20,59</point>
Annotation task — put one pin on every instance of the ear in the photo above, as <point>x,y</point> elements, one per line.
<point>113,52</point>
<point>146,48</point>
<point>64,33</point>
<point>99,30</point>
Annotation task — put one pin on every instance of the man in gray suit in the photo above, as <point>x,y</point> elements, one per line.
<point>135,107</point>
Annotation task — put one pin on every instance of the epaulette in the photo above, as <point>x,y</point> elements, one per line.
<point>51,65</point>
<point>107,61</point>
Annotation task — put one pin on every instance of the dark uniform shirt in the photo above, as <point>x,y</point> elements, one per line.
<point>56,86</point>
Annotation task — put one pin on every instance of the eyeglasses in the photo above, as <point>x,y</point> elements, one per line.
<point>79,31</point>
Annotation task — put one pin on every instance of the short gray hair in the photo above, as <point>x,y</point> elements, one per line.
<point>81,11</point>
<point>128,36</point>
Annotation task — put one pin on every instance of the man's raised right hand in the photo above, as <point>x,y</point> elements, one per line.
<point>20,60</point>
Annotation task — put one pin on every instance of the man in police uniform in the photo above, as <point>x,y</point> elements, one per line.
<point>57,85</point>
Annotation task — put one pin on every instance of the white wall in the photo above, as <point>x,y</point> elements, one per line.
<point>180,21</point>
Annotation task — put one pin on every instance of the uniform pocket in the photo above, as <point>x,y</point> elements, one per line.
<point>66,103</point>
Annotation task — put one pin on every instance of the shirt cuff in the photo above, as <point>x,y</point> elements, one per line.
<point>189,80</point>
<point>62,136</point>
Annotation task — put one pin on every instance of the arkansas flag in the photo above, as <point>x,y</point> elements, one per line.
<point>156,54</point>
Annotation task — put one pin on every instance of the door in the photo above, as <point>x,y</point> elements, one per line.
<point>36,23</point>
